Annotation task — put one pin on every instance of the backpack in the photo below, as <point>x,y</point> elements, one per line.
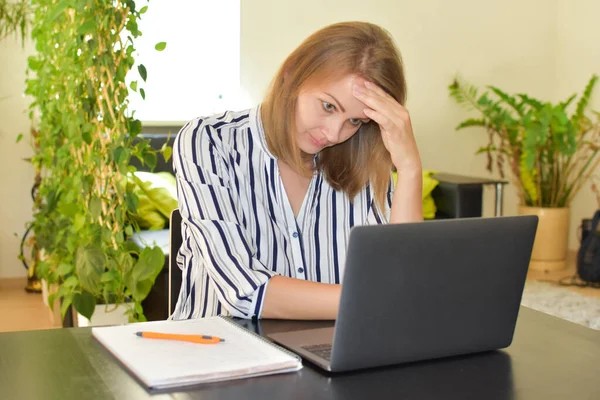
<point>588,256</point>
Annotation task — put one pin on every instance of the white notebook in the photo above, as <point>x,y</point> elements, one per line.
<point>160,363</point>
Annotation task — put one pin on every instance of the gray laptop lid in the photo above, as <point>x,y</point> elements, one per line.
<point>433,289</point>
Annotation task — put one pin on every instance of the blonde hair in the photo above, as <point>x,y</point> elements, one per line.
<point>359,48</point>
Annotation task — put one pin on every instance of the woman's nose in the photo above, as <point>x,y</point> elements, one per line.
<point>333,130</point>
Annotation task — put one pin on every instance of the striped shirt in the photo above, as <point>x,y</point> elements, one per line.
<point>238,226</point>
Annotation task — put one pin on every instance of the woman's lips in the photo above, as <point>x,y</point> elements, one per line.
<point>318,143</point>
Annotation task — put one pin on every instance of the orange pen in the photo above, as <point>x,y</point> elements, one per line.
<point>202,339</point>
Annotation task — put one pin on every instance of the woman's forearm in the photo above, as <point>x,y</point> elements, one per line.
<point>289,298</point>
<point>407,203</point>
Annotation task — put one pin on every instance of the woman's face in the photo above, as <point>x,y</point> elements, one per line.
<point>328,114</point>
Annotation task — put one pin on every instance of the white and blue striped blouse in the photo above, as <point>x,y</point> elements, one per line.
<point>238,227</point>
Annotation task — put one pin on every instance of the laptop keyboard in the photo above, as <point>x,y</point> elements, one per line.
<point>321,350</point>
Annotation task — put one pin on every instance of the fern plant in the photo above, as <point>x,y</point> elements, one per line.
<point>550,152</point>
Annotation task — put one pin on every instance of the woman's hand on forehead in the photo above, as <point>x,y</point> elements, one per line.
<point>394,122</point>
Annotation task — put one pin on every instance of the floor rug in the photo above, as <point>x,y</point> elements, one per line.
<point>563,303</point>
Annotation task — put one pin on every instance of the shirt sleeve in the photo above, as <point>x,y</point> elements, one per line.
<point>221,246</point>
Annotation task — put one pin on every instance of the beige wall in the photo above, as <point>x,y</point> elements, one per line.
<point>578,57</point>
<point>16,175</point>
<point>510,44</point>
<point>536,46</point>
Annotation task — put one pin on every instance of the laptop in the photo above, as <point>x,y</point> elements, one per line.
<point>420,291</point>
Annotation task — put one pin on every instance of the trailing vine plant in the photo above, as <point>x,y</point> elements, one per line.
<point>87,136</point>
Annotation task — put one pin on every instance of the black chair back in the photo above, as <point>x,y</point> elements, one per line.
<point>174,271</point>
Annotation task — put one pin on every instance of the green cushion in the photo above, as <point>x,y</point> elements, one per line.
<point>429,184</point>
<point>157,193</point>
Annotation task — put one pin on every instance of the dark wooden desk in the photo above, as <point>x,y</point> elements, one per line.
<point>549,359</point>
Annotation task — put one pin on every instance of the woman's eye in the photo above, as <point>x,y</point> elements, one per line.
<point>355,122</point>
<point>328,106</point>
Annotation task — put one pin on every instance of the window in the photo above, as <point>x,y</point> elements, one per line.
<point>199,71</point>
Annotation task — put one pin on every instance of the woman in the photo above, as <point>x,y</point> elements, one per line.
<point>269,195</point>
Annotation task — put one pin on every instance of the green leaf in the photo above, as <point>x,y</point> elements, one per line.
<point>134,127</point>
<point>58,10</point>
<point>89,265</point>
<point>109,276</point>
<point>585,98</point>
<point>471,122</point>
<point>136,314</point>
<point>33,63</point>
<point>129,230</point>
<point>120,154</point>
<point>70,282</point>
<point>84,303</point>
<point>87,138</point>
<point>51,300</point>
<point>144,273</point>
<point>88,26</point>
<point>534,103</point>
<point>121,73</point>
<point>42,268</point>
<point>149,264</point>
<point>142,289</point>
<point>19,137</point>
<point>486,149</point>
<point>143,94</point>
<point>150,159</point>
<point>160,46</point>
<point>518,107</point>
<point>78,221</point>
<point>140,318</point>
<point>133,86</point>
<point>64,269</point>
<point>132,201</point>
<point>563,105</point>
<point>143,10</point>
<point>67,209</point>
<point>95,208</point>
<point>66,303</point>
<point>143,72</point>
<point>167,152</point>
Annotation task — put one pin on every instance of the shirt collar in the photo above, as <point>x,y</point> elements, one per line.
<point>258,131</point>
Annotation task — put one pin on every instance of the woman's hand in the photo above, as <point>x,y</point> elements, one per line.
<point>396,131</point>
<point>394,123</point>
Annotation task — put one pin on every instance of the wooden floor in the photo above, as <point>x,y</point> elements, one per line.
<point>21,311</point>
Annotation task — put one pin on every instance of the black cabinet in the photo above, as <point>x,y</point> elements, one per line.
<point>458,196</point>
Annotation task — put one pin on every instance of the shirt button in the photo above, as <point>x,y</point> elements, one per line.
<point>300,270</point>
<point>295,235</point>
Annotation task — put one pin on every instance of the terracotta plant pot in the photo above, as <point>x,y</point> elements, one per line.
<point>552,238</point>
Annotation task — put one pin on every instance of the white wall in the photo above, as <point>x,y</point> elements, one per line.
<point>578,57</point>
<point>16,175</point>
<point>547,48</point>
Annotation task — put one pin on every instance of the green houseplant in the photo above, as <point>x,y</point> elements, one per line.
<point>15,17</point>
<point>551,151</point>
<point>87,136</point>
